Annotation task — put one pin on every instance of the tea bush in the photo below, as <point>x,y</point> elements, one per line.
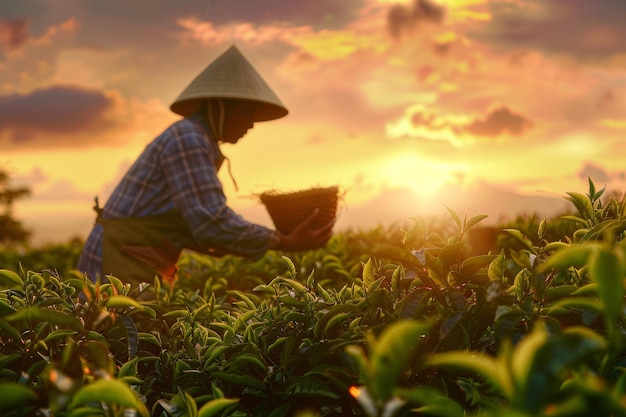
<point>399,322</point>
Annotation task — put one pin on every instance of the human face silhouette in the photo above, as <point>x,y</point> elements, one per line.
<point>238,119</point>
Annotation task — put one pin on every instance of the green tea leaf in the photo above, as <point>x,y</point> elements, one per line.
<point>575,256</point>
<point>121,301</point>
<point>525,355</point>
<point>109,391</point>
<point>592,187</point>
<point>472,265</point>
<point>474,362</point>
<point>587,290</point>
<point>368,273</point>
<point>6,359</point>
<point>59,334</point>
<point>541,232</point>
<point>560,291</point>
<point>10,280</point>
<point>576,219</point>
<point>291,267</point>
<point>391,353</point>
<point>574,303</point>
<point>180,313</point>
<point>15,396</point>
<point>240,379</point>
<point>5,309</point>
<point>520,238</point>
<point>554,246</point>
<point>245,361</point>
<point>216,406</point>
<point>542,361</point>
<point>607,270</point>
<point>129,368</point>
<point>309,386</point>
<point>332,312</point>
<point>475,220</point>
<point>456,218</point>
<point>32,315</point>
<point>582,204</point>
<point>186,403</point>
<point>496,268</point>
<point>431,402</point>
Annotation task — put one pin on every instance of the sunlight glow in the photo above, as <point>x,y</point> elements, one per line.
<point>614,123</point>
<point>425,177</point>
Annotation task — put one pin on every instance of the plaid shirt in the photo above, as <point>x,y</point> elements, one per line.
<point>178,171</point>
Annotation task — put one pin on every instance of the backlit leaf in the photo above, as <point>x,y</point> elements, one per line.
<point>121,301</point>
<point>290,266</point>
<point>473,362</point>
<point>607,270</point>
<point>472,265</point>
<point>542,361</point>
<point>431,402</point>
<point>216,406</point>
<point>10,280</point>
<point>520,238</point>
<point>576,219</point>
<point>582,204</point>
<point>496,268</point>
<point>391,353</point>
<point>110,391</point>
<point>32,315</point>
<point>456,218</point>
<point>368,273</point>
<point>475,220</point>
<point>575,256</point>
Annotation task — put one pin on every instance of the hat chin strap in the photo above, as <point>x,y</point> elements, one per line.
<point>218,129</point>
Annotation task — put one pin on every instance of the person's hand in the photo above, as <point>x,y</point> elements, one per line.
<point>304,236</point>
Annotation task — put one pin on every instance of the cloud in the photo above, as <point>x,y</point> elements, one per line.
<point>608,99</point>
<point>459,130</point>
<point>61,191</point>
<point>35,177</point>
<point>13,34</point>
<point>329,13</point>
<point>583,28</point>
<point>68,116</point>
<point>602,177</point>
<point>55,109</point>
<point>595,172</point>
<point>401,17</point>
<point>497,122</point>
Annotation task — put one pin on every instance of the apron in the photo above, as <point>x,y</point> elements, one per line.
<point>136,249</point>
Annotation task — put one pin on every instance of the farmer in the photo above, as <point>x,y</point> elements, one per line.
<point>171,198</point>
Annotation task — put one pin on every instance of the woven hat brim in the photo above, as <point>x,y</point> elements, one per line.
<point>230,76</point>
<point>263,111</point>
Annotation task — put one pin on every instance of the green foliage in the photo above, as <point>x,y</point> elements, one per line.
<point>402,322</point>
<point>60,258</point>
<point>12,232</point>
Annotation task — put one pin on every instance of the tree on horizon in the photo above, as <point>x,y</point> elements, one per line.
<point>12,232</point>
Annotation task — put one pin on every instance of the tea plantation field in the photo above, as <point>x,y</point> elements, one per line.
<point>436,317</point>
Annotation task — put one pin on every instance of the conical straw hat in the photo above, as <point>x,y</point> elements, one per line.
<point>230,76</point>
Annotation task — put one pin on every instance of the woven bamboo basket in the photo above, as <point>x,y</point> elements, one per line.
<point>287,210</point>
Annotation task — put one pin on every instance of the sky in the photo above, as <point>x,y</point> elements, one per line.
<point>495,107</point>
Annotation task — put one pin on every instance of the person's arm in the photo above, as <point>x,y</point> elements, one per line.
<point>189,165</point>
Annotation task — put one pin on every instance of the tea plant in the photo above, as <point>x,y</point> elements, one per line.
<point>401,322</point>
